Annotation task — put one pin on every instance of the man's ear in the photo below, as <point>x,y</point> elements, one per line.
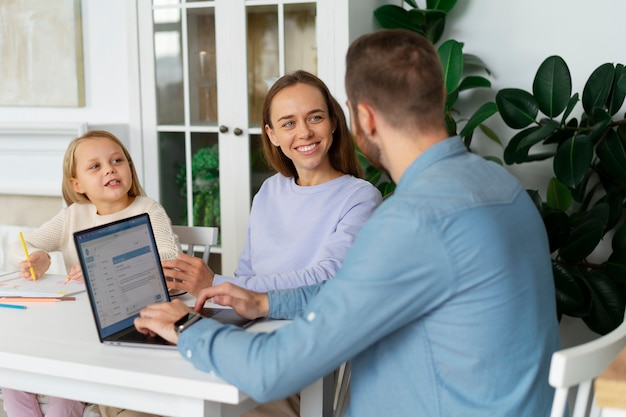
<point>367,119</point>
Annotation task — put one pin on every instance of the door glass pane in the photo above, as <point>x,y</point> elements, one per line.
<point>172,181</point>
<point>168,66</point>
<point>259,170</point>
<point>300,42</point>
<point>206,179</point>
<point>202,86</point>
<point>298,49</point>
<point>263,58</point>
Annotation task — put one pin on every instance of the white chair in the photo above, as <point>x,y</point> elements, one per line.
<point>578,367</point>
<point>342,392</point>
<point>201,237</point>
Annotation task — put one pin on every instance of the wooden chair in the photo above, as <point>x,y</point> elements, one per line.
<point>578,366</point>
<point>197,237</point>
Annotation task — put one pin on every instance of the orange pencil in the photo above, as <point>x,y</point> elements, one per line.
<point>30,300</point>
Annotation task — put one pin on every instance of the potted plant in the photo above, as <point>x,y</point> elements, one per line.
<point>583,202</point>
<point>462,73</point>
<point>584,199</point>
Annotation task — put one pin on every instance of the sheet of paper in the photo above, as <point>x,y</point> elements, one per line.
<point>12,285</point>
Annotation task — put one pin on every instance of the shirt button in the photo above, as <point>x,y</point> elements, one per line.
<point>310,316</point>
<point>189,354</point>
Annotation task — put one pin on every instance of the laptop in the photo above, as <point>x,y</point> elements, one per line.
<point>123,274</point>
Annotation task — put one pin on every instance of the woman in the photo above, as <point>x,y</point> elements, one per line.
<point>304,218</point>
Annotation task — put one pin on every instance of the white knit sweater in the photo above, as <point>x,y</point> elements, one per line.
<point>57,233</point>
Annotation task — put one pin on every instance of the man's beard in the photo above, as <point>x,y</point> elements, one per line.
<point>369,150</point>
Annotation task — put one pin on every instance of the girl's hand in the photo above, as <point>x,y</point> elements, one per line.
<point>75,273</point>
<point>39,260</point>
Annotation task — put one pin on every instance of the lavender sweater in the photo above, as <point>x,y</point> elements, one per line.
<point>299,235</point>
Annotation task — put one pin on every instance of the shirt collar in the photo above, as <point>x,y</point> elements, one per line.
<point>445,149</point>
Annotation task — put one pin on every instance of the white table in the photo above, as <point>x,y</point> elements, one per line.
<point>53,349</point>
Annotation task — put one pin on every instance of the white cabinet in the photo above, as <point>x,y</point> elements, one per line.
<point>205,67</point>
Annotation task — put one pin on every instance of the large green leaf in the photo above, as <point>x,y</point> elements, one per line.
<point>615,267</point>
<point>600,211</point>
<point>540,156</point>
<point>618,92</point>
<point>618,243</point>
<point>483,113</point>
<point>451,57</point>
<point>607,303</point>
<point>598,87</point>
<point>544,132</point>
<point>411,3</point>
<point>474,81</point>
<point>582,240</point>
<point>572,295</point>
<point>435,26</point>
<point>518,108</point>
<point>614,199</point>
<point>451,99</point>
<point>573,159</point>
<point>443,5</point>
<point>559,197</point>
<point>559,136</point>
<point>490,134</point>
<point>558,227</point>
<point>552,86</point>
<point>570,106</point>
<point>390,16</point>
<point>601,121</point>
<point>612,154</point>
<point>513,153</point>
<point>472,62</point>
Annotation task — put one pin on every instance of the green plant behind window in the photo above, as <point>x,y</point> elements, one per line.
<point>584,200</point>
<point>206,186</point>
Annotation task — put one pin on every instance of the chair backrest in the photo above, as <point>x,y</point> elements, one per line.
<point>579,366</point>
<point>192,237</point>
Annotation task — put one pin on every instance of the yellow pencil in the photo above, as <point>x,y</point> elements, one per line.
<point>32,271</point>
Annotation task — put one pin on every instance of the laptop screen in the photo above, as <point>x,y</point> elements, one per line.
<point>122,271</point>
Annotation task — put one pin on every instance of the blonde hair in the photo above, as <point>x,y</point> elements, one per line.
<point>69,168</point>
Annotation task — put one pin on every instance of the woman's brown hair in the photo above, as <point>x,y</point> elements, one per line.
<point>342,154</point>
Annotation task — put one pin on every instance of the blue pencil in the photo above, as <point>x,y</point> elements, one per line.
<point>13,306</point>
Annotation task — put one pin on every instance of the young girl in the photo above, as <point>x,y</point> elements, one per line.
<point>100,185</point>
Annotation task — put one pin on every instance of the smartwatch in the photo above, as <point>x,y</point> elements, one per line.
<point>186,322</point>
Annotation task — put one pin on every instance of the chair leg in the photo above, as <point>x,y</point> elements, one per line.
<point>343,390</point>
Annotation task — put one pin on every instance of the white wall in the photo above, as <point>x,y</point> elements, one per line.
<point>106,63</point>
<point>514,37</point>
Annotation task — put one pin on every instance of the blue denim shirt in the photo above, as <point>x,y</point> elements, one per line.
<point>445,304</point>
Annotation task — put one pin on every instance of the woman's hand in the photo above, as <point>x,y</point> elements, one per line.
<point>187,273</point>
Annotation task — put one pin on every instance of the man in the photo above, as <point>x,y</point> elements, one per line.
<point>445,303</point>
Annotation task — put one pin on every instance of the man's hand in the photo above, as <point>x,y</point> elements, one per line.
<point>187,273</point>
<point>159,319</point>
<point>39,260</point>
<point>246,303</point>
